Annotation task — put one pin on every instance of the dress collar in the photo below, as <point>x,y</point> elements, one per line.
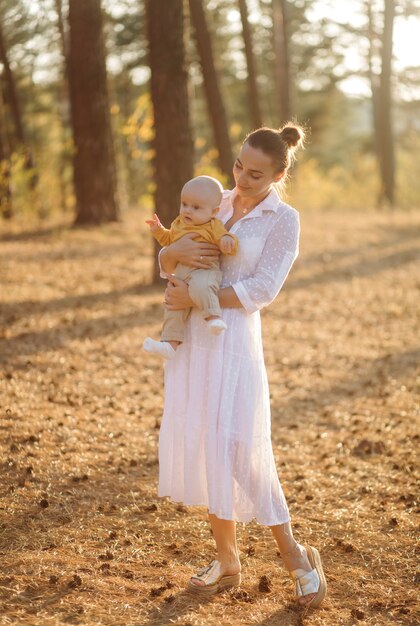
<point>270,203</point>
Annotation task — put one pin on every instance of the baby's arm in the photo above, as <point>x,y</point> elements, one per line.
<point>155,223</point>
<point>159,232</point>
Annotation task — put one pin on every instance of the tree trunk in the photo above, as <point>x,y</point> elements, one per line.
<point>373,78</point>
<point>64,39</point>
<point>64,106</point>
<point>6,207</point>
<point>16,113</point>
<point>374,87</point>
<point>387,159</point>
<point>214,99</point>
<point>93,161</point>
<point>281,53</point>
<point>253,97</point>
<point>12,96</point>
<point>173,143</point>
<point>380,44</point>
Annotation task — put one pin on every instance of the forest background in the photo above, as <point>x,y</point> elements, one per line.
<point>81,118</point>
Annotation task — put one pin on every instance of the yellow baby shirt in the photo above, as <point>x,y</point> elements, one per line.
<point>210,232</point>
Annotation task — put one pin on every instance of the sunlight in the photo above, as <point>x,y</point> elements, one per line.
<point>406,47</point>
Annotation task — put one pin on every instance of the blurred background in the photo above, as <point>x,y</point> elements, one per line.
<point>107,105</point>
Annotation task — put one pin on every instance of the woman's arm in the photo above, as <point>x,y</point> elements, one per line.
<point>279,253</point>
<point>228,299</point>
<point>196,254</point>
<point>177,296</point>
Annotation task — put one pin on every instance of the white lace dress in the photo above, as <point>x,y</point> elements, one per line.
<point>215,438</point>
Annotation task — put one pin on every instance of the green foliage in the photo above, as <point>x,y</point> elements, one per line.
<point>134,138</point>
<point>336,171</point>
<point>354,184</point>
<point>408,180</point>
<point>340,187</point>
<point>18,177</point>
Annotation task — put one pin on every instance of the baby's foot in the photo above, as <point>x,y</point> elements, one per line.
<point>162,348</point>
<point>216,326</point>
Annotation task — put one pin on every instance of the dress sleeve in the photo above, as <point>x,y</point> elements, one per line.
<point>161,272</point>
<point>279,253</point>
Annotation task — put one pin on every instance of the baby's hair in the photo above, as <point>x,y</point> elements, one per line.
<point>211,184</point>
<point>279,144</point>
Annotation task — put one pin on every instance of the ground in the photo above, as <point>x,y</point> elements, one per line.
<point>84,539</point>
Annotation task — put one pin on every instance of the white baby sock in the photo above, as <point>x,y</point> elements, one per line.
<point>216,326</point>
<point>162,348</point>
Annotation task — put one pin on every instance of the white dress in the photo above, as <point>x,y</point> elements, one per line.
<point>215,438</point>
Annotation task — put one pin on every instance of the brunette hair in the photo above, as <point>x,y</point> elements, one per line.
<point>279,144</point>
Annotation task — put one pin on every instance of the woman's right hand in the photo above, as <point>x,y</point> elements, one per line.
<point>187,251</point>
<point>177,296</point>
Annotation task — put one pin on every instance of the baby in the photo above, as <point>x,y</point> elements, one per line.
<point>200,200</point>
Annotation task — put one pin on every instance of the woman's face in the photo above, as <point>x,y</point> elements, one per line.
<point>254,172</point>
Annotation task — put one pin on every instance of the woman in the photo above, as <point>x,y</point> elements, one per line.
<point>215,440</point>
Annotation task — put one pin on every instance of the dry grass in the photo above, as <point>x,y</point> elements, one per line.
<point>83,537</point>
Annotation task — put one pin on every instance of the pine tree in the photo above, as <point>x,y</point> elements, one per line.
<point>94,162</point>
<point>215,105</point>
<point>173,141</point>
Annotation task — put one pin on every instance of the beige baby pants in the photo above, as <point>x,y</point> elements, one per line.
<point>203,287</point>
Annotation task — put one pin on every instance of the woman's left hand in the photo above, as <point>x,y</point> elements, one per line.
<point>177,296</point>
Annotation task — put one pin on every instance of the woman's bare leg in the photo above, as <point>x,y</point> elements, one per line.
<point>293,554</point>
<point>224,533</point>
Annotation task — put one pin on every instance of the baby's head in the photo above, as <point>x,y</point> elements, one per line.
<point>200,200</point>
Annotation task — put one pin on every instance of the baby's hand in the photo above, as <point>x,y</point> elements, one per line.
<point>155,223</point>
<point>226,244</point>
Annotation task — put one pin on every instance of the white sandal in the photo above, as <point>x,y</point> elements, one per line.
<point>314,581</point>
<point>213,579</point>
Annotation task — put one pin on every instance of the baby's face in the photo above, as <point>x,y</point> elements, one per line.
<point>197,207</point>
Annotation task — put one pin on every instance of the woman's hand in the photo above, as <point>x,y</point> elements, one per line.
<point>177,296</point>
<point>195,254</point>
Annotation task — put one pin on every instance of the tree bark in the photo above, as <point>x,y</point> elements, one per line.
<point>281,53</point>
<point>6,206</point>
<point>64,39</point>
<point>64,106</point>
<point>253,92</point>
<point>94,171</point>
<point>16,112</point>
<point>12,96</point>
<point>387,159</point>
<point>373,78</point>
<point>380,83</point>
<point>214,98</point>
<point>173,143</point>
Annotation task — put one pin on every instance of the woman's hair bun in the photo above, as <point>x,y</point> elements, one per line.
<point>292,135</point>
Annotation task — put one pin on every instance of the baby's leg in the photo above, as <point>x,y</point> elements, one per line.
<point>203,289</point>
<point>172,334</point>
<point>164,349</point>
<point>173,325</point>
